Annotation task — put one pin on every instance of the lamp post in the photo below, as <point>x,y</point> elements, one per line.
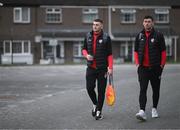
<point>1,4</point>
<point>11,45</point>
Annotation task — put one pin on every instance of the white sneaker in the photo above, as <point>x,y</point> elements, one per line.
<point>99,116</point>
<point>154,113</point>
<point>94,111</point>
<point>141,115</point>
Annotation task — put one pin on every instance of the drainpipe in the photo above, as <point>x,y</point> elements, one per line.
<point>175,49</point>
<point>110,23</point>
<point>12,57</point>
<point>110,27</point>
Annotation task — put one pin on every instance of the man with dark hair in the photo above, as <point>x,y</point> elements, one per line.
<point>150,58</point>
<point>98,52</point>
<point>98,20</point>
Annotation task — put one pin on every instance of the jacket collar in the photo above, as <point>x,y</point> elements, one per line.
<point>152,31</point>
<point>92,33</point>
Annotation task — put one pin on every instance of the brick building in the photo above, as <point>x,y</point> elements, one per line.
<point>52,31</point>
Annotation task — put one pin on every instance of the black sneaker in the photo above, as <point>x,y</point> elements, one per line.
<point>99,116</point>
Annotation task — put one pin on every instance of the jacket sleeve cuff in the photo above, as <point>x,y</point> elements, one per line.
<point>84,52</point>
<point>163,58</point>
<point>136,58</point>
<point>110,62</point>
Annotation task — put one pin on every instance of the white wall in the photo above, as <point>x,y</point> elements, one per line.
<point>17,59</point>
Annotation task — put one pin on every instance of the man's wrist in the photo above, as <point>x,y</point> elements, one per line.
<point>110,68</point>
<point>162,66</point>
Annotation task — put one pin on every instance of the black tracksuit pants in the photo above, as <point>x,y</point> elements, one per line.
<point>146,74</point>
<point>101,76</point>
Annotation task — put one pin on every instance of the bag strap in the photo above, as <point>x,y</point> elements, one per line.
<point>110,76</point>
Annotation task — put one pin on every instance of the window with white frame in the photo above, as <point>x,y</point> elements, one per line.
<point>168,42</point>
<point>77,47</point>
<point>17,47</point>
<point>128,15</point>
<point>161,15</point>
<point>22,15</point>
<point>89,14</point>
<point>7,47</point>
<point>26,47</point>
<point>53,15</point>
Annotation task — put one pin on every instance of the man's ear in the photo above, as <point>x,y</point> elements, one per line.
<point>101,26</point>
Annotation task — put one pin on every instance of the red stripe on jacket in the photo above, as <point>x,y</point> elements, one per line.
<point>146,50</point>
<point>163,57</point>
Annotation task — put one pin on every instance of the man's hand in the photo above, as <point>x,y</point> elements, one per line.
<point>110,71</point>
<point>89,57</point>
<point>162,66</point>
<point>137,65</point>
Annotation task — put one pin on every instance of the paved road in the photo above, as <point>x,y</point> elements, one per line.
<point>54,97</point>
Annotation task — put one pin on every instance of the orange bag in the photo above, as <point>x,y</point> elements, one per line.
<point>110,92</point>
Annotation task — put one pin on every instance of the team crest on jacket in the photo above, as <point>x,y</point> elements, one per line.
<point>152,40</point>
<point>100,41</point>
